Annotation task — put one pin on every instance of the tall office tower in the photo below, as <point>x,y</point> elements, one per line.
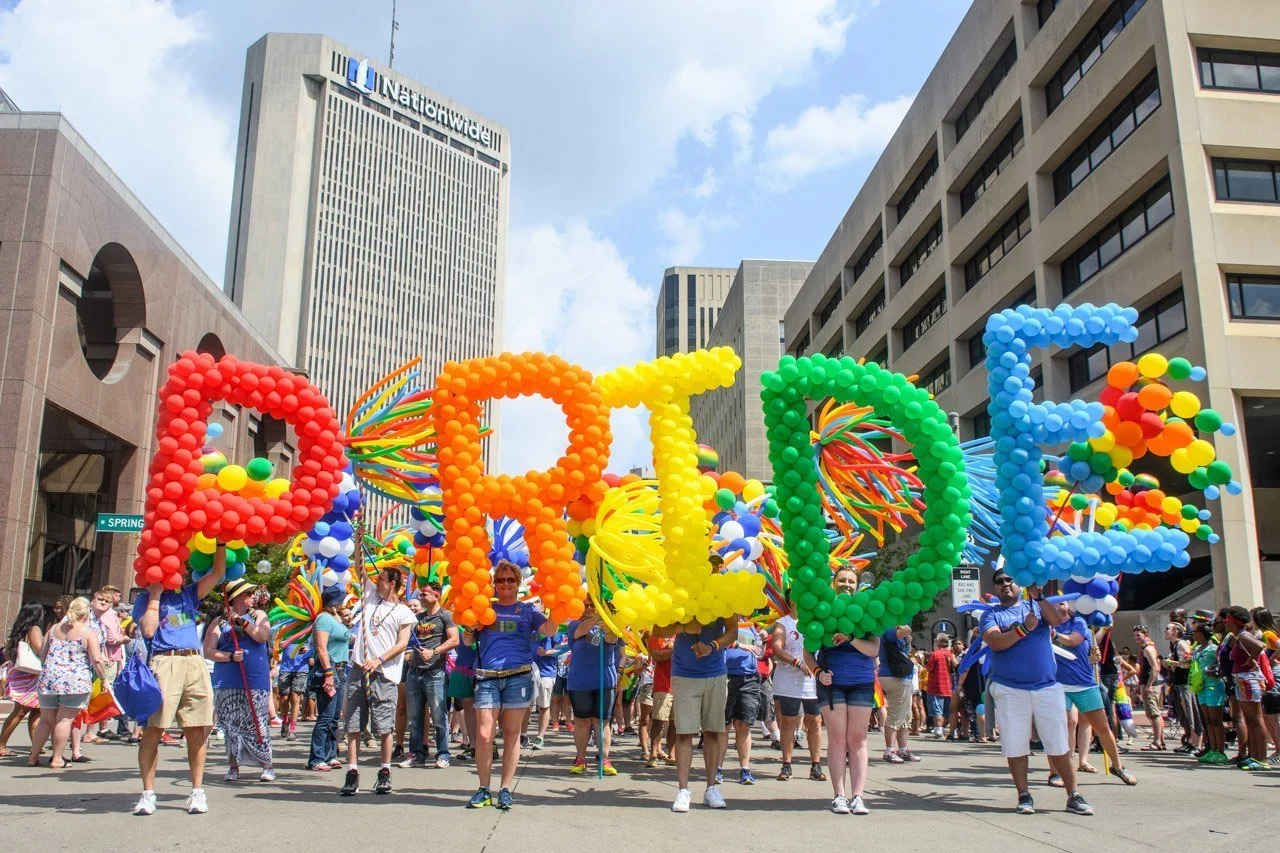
<point>369,216</point>
<point>730,419</point>
<point>688,303</point>
<point>1088,151</point>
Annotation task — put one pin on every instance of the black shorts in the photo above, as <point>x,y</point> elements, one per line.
<point>587,703</point>
<point>790,707</point>
<point>559,688</point>
<point>743,702</point>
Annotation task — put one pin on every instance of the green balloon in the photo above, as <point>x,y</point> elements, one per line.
<point>725,499</point>
<point>259,469</point>
<point>1208,420</point>
<point>1219,472</point>
<point>1179,368</point>
<point>199,561</point>
<point>1199,479</point>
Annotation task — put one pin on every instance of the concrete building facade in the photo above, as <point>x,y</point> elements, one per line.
<point>1085,151</point>
<point>368,216</point>
<point>689,302</point>
<point>731,419</point>
<point>99,300</point>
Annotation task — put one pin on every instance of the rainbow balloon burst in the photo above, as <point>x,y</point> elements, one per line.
<point>293,618</point>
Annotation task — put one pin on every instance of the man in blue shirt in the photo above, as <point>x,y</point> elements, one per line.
<point>897,679</point>
<point>167,621</point>
<point>1023,681</point>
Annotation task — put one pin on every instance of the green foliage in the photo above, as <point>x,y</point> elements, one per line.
<point>278,578</point>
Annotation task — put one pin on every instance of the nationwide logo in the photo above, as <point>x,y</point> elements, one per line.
<point>361,75</point>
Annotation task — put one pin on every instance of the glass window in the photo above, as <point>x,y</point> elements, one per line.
<point>864,259</point>
<point>1121,129</point>
<point>1147,337</point>
<point>1132,226</point>
<point>1269,72</point>
<point>1004,152</point>
<point>977,350</point>
<point>1088,265</point>
<point>1254,297</point>
<point>1244,180</point>
<point>986,89</point>
<point>1045,8</point>
<point>1110,133</point>
<point>1109,247</point>
<point>917,186</point>
<point>1171,319</point>
<point>1089,50</point>
<point>921,252</point>
<point>1159,205</point>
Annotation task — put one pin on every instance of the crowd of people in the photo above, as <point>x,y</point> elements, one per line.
<point>404,681</point>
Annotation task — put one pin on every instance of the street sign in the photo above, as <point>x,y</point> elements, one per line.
<point>110,522</point>
<point>966,584</point>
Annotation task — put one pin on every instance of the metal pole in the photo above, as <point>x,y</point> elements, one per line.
<point>391,60</point>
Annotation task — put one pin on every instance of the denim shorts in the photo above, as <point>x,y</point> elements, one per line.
<point>861,695</point>
<point>512,691</point>
<point>937,706</point>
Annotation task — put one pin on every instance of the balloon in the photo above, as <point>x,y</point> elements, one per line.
<point>214,430</point>
<point>232,478</point>
<point>259,469</point>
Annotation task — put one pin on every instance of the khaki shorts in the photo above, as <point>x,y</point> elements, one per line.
<point>188,692</point>
<point>897,701</point>
<point>699,703</point>
<point>110,669</point>
<point>662,704</point>
<point>1152,702</point>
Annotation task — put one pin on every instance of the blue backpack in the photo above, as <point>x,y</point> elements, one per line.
<point>137,692</point>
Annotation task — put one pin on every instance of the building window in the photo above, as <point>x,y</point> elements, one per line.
<point>869,314</point>
<point>917,186</point>
<point>937,380</point>
<point>671,313</point>
<point>829,307</point>
<point>991,168</point>
<point>1001,243</point>
<point>691,313</point>
<point>1045,9</point>
<point>782,334</point>
<point>986,89</point>
<point>836,349</point>
<point>880,357</point>
<point>1239,70</point>
<point>1246,180</point>
<point>864,260</point>
<point>921,251</point>
<point>977,351</point>
<point>1155,325</point>
<point>1114,130</point>
<point>1254,297</point>
<point>1119,236</point>
<point>981,423</point>
<point>802,343</point>
<point>1091,47</point>
<point>930,313</point>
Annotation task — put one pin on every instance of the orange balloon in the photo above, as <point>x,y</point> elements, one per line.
<point>1122,374</point>
<point>1178,434</point>
<point>1127,433</point>
<point>1154,396</point>
<point>733,481</point>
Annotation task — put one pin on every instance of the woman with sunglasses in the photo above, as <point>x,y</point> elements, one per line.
<point>1245,652</point>
<point>504,681</point>
<point>590,668</point>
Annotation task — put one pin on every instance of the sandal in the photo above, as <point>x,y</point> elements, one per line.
<point>5,752</point>
<point>1123,775</point>
<point>1055,781</point>
<point>57,766</point>
<point>1086,768</point>
<point>1153,747</point>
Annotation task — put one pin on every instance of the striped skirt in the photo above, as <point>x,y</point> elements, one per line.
<point>241,732</point>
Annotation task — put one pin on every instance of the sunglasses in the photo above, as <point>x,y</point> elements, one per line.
<point>1002,581</point>
<point>505,580</point>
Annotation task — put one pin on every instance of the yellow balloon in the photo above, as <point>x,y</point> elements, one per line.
<point>752,490</point>
<point>1104,442</point>
<point>1121,457</point>
<point>1105,515</point>
<point>1153,365</point>
<point>1180,459</point>
<point>232,478</point>
<point>203,544</point>
<point>275,488</point>
<point>1185,404</point>
<point>1171,506</point>
<point>1200,452</point>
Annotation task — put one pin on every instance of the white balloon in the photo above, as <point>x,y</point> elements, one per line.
<point>329,546</point>
<point>347,483</point>
<point>1086,604</point>
<point>1082,578</point>
<point>757,548</point>
<point>348,547</point>
<point>330,578</point>
<point>343,578</point>
<point>309,546</point>
<point>731,530</point>
<point>1108,605</point>
<point>735,565</point>
<point>264,566</point>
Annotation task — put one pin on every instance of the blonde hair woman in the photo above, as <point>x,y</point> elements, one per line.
<point>71,655</point>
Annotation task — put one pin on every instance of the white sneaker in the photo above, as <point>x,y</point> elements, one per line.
<point>233,775</point>
<point>682,800</point>
<point>268,775</point>
<point>197,803</point>
<point>840,805</point>
<point>856,806</point>
<point>146,804</point>
<point>713,799</point>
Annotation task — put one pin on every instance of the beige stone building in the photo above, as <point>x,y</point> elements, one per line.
<point>99,300</point>
<point>1087,151</point>
<point>689,302</point>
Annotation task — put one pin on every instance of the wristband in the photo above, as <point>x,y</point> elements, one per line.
<point>1020,631</point>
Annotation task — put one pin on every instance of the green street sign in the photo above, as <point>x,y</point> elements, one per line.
<point>109,522</point>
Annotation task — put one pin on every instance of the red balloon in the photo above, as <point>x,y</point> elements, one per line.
<point>1128,407</point>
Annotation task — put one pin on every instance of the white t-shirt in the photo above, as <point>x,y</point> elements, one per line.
<point>788,680</point>
<point>380,624</point>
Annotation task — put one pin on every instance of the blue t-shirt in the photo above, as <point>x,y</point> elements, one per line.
<point>686,664</point>
<point>888,638</point>
<point>464,659</point>
<point>508,642</point>
<point>177,627</point>
<point>848,665</point>
<point>295,658</point>
<point>257,666</point>
<point>585,661</point>
<point>742,661</point>
<point>1077,670</point>
<point>546,663</point>
<point>339,637</point>
<point>1028,664</point>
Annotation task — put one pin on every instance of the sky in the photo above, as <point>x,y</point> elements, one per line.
<point>642,135</point>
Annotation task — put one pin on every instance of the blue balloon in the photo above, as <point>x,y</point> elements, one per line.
<point>215,430</point>
<point>1097,588</point>
<point>341,530</point>
<point>750,524</point>
<point>235,571</point>
<point>981,708</point>
<point>339,563</point>
<point>318,532</point>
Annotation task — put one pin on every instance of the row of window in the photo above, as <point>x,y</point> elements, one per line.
<point>829,307</point>
<point>931,312</point>
<point>938,379</point>
<point>1006,149</point>
<point>1157,324</point>
<point>921,251</point>
<point>987,88</point>
<point>1044,9</point>
<point>869,314</point>
<point>1090,50</point>
<point>1253,297</point>
<point>1239,70</point>
<point>1111,132</point>
<point>1246,180</point>
<point>1008,235</point>
<point>921,181</point>
<point>1118,236</point>
<point>868,254</point>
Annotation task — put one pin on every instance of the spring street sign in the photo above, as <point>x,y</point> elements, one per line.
<point>109,522</point>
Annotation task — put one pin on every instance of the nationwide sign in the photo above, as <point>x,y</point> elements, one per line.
<point>361,75</point>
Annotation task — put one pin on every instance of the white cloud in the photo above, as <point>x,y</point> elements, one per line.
<point>707,186</point>
<point>828,137</point>
<point>116,70</point>
<point>742,134</point>
<point>685,234</point>
<point>570,292</point>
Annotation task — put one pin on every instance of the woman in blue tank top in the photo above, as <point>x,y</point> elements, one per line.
<point>237,645</point>
<point>847,694</point>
